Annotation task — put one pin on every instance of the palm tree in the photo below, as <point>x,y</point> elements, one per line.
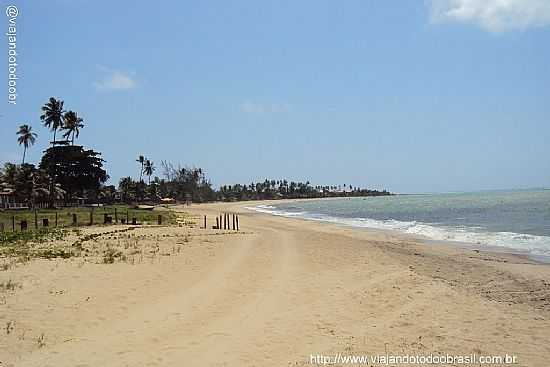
<point>26,137</point>
<point>141,160</point>
<point>53,115</point>
<point>148,169</point>
<point>72,123</point>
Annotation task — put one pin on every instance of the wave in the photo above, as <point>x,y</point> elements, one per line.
<point>518,242</point>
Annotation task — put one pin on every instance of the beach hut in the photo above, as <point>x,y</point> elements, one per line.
<point>168,201</point>
<point>7,199</point>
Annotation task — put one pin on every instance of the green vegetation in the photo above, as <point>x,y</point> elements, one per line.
<point>65,217</point>
<point>39,236</point>
<point>9,285</point>
<point>183,183</point>
<point>283,189</point>
<point>26,138</point>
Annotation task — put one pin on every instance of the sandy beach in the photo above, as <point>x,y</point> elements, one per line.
<point>277,293</point>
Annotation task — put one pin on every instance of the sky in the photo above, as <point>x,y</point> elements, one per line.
<point>409,96</point>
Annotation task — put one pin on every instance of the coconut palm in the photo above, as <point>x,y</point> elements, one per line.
<point>148,169</point>
<point>141,160</point>
<point>26,137</point>
<point>41,188</point>
<point>53,115</point>
<point>72,124</point>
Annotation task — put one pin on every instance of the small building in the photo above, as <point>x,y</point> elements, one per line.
<point>7,200</point>
<point>168,201</point>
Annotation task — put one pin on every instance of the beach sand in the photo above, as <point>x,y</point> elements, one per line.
<point>277,293</point>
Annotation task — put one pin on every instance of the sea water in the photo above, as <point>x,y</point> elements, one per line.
<point>516,221</point>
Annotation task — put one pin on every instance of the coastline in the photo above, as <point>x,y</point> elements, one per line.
<point>352,222</point>
<point>272,294</point>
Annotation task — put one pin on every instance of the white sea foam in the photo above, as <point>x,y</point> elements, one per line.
<point>518,242</point>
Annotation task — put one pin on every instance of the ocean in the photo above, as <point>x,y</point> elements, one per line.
<point>516,221</point>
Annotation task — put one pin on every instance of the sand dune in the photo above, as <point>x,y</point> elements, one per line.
<point>273,294</point>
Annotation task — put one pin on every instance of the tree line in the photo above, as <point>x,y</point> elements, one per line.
<point>190,184</point>
<point>68,173</point>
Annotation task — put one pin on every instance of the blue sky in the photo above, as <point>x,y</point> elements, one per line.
<point>412,96</point>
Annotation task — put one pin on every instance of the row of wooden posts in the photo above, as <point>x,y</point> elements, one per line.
<point>225,221</point>
<point>107,219</point>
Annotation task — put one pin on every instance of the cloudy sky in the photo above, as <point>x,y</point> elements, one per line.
<point>413,96</point>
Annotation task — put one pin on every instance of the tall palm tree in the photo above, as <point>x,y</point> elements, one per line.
<point>148,169</point>
<point>72,124</point>
<point>53,115</point>
<point>26,137</point>
<point>141,160</point>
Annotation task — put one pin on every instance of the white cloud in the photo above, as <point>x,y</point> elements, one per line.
<point>263,108</point>
<point>115,79</point>
<point>493,15</point>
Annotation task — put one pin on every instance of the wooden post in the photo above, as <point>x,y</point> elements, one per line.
<point>116,217</point>
<point>92,216</point>
<point>35,219</point>
<point>56,218</point>
<point>75,220</point>
<point>13,222</point>
<point>205,222</point>
<point>233,221</point>
<point>237,219</point>
<point>217,223</point>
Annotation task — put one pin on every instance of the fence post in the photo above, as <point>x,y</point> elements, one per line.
<point>56,218</point>
<point>116,217</point>
<point>217,222</point>
<point>233,221</point>
<point>92,216</point>
<point>13,222</point>
<point>237,222</point>
<point>205,222</point>
<point>35,219</point>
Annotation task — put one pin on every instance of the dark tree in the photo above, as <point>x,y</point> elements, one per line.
<point>76,170</point>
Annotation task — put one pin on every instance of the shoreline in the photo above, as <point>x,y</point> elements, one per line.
<point>272,294</point>
<point>495,249</point>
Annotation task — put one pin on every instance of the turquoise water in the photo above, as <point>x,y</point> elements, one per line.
<point>515,220</point>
